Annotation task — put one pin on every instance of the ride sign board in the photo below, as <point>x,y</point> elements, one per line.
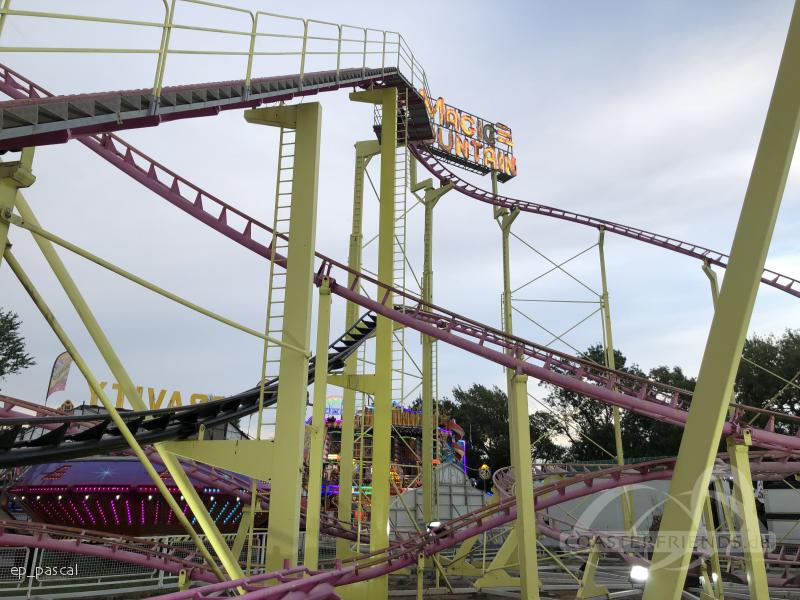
<point>470,142</point>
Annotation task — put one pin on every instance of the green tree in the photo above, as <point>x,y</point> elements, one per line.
<point>13,357</point>
<point>755,386</point>
<point>589,424</point>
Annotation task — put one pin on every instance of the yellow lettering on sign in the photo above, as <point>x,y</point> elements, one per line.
<point>468,125</point>
<point>476,146</point>
<point>450,135</point>
<point>156,403</point>
<point>433,109</point>
<point>510,165</point>
<point>93,400</point>
<point>490,158</point>
<point>504,135</point>
<point>120,395</point>
<point>462,147</point>
<point>175,399</point>
<point>451,117</point>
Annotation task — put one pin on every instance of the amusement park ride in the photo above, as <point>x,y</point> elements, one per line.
<point>270,517</point>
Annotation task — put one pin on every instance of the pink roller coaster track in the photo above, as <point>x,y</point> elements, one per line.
<point>150,554</point>
<point>639,395</point>
<point>645,397</point>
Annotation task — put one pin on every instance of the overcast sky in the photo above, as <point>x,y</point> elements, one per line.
<point>647,114</point>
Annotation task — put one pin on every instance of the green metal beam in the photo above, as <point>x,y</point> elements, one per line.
<point>248,457</point>
<point>382,421</point>
<point>131,393</point>
<point>13,176</point>
<point>523,488</point>
<point>519,435</point>
<point>429,426</point>
<point>287,479</point>
<point>674,545</point>
<point>749,530</point>
<point>315,453</point>
<point>365,150</point>
<point>627,501</point>
<point>118,421</point>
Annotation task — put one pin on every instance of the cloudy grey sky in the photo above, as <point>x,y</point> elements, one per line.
<point>647,114</point>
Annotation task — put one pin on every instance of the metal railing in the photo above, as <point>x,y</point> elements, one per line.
<point>341,46</point>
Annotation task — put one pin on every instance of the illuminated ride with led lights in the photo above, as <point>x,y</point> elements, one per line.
<point>412,128</point>
<point>115,495</point>
<point>406,470</point>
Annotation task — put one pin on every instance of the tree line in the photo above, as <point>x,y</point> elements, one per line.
<point>570,427</point>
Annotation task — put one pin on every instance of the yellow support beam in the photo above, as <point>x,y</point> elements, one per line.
<point>248,457</point>
<point>13,176</point>
<point>358,383</point>
<point>521,462</point>
<point>131,393</point>
<point>365,150</point>
<point>315,452</point>
<point>749,531</point>
<point>83,367</point>
<point>708,410</point>
<point>496,574</point>
<point>287,477</point>
<point>627,500</point>
<point>589,587</point>
<point>429,425</point>
<point>382,422</point>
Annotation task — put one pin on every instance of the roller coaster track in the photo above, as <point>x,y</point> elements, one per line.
<point>24,90</point>
<point>437,169</point>
<point>764,466</point>
<point>229,482</point>
<point>645,397</point>
<point>134,551</point>
<point>68,439</point>
<point>151,554</point>
<point>404,553</point>
<point>616,388</point>
<point>42,118</point>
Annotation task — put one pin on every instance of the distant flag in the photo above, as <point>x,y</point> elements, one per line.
<point>58,378</point>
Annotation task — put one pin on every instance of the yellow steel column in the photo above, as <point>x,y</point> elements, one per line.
<point>627,504</point>
<point>6,6</point>
<point>382,417</point>
<point>129,389</point>
<point>431,198</point>
<point>365,150</point>
<point>13,176</point>
<point>589,588</point>
<point>315,457</point>
<point>83,367</point>
<point>711,532</point>
<point>505,219</point>
<point>673,550</point>
<point>519,434</point>
<point>286,484</point>
<point>738,451</point>
<point>523,487</point>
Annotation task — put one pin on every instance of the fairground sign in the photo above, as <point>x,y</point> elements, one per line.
<point>467,141</point>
